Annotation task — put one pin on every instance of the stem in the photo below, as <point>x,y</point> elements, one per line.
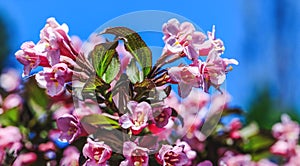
<point>162,61</point>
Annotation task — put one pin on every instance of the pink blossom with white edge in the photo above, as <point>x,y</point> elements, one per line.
<point>57,40</point>
<point>97,153</point>
<point>283,148</point>
<point>217,67</point>
<point>137,117</point>
<point>212,43</point>
<point>70,128</point>
<point>180,38</point>
<point>169,155</point>
<point>54,78</point>
<point>187,77</point>
<point>286,130</point>
<point>32,56</point>
<point>191,154</point>
<point>86,108</point>
<point>135,155</point>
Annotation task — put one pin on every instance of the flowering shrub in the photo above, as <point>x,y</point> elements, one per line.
<point>106,103</point>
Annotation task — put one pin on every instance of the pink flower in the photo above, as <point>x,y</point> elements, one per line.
<point>201,74</point>
<point>294,159</point>
<point>164,133</point>
<point>205,163</point>
<point>96,152</point>
<point>137,117</point>
<point>172,100</point>
<point>10,80</point>
<point>10,137</point>
<point>286,130</point>
<point>280,148</point>
<point>180,38</point>
<point>211,43</point>
<point>134,155</point>
<point>190,154</point>
<point>47,146</point>
<point>57,41</point>
<point>195,101</point>
<point>196,140</point>
<point>86,108</point>
<point>62,108</point>
<point>234,127</point>
<point>77,43</point>
<point>12,101</point>
<point>161,117</point>
<point>236,160</point>
<point>169,155</point>
<point>70,157</point>
<point>54,78</point>
<point>70,128</point>
<point>2,155</point>
<point>214,69</point>
<point>187,77</point>
<point>125,57</point>
<point>25,159</point>
<point>284,148</point>
<point>88,46</point>
<point>1,102</point>
<point>32,56</point>
<point>265,162</point>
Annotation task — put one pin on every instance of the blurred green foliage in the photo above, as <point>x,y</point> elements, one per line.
<point>267,110</point>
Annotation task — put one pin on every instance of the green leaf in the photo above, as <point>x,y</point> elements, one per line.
<point>135,45</point>
<point>104,129</point>
<point>112,70</point>
<point>122,92</point>
<point>114,139</point>
<point>147,84</point>
<point>95,84</point>
<point>133,73</point>
<point>10,117</point>
<point>257,142</point>
<point>102,56</point>
<point>95,121</point>
<point>230,111</point>
<point>262,155</point>
<point>36,98</point>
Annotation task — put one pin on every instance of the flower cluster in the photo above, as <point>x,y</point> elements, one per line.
<point>55,52</point>
<point>285,147</point>
<point>104,103</point>
<point>182,39</point>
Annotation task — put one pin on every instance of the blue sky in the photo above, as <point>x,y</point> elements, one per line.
<point>26,18</point>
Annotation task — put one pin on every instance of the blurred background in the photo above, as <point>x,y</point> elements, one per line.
<point>263,36</point>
